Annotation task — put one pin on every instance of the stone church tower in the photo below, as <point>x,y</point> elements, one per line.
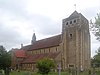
<point>75,42</point>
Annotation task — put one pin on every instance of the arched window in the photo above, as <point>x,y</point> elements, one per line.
<point>67,23</point>
<point>70,22</point>
<point>74,21</point>
<point>70,36</point>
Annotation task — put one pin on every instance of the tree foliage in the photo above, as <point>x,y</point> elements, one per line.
<point>45,65</point>
<point>5,60</point>
<point>95,27</point>
<point>96,59</point>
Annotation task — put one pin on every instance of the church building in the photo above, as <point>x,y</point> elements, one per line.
<point>70,49</point>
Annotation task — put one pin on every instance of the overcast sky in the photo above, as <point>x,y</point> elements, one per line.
<point>19,19</point>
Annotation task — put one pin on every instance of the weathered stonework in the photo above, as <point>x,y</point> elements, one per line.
<point>76,41</point>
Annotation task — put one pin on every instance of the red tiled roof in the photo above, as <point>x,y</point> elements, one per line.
<point>28,47</point>
<point>34,58</point>
<point>20,53</point>
<point>44,43</point>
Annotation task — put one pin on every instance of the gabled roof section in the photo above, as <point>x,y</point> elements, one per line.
<point>34,58</point>
<point>44,43</point>
<point>75,14</point>
<point>27,47</point>
<point>20,53</point>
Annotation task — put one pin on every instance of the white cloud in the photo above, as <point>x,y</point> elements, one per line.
<point>20,18</point>
<point>58,8</point>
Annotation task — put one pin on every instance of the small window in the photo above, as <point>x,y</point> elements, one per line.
<point>40,51</point>
<point>67,23</point>
<point>56,49</point>
<point>71,36</point>
<point>70,22</point>
<point>74,21</point>
<point>71,65</point>
<point>44,50</point>
<point>49,49</point>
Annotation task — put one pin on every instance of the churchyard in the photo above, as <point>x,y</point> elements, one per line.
<point>34,73</point>
<point>51,73</point>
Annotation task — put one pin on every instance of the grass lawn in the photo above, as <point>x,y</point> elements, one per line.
<point>98,73</point>
<point>33,73</point>
<point>51,73</point>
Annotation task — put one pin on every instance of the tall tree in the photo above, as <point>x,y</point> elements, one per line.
<point>5,60</point>
<point>95,27</point>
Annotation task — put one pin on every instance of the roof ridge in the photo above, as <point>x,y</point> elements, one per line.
<point>49,37</point>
